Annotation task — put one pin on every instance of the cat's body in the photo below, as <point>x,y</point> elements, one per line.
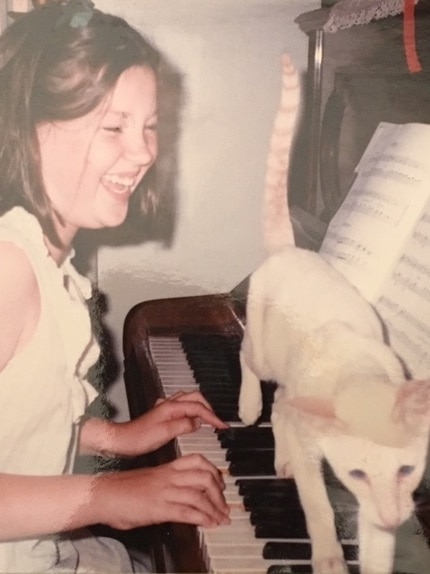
<point>341,394</point>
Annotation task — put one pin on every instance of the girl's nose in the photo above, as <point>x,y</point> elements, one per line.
<point>143,148</point>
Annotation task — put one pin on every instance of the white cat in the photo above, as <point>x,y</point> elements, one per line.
<point>342,393</point>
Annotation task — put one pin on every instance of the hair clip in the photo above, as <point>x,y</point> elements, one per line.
<point>77,13</point>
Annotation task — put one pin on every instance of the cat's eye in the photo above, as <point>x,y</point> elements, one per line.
<point>406,470</point>
<point>358,474</point>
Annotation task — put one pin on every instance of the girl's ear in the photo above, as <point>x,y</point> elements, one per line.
<point>319,412</point>
<point>412,405</point>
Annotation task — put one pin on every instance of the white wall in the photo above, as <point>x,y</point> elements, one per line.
<point>227,56</point>
<point>3,15</point>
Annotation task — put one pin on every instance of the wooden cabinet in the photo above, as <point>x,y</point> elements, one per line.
<point>357,77</point>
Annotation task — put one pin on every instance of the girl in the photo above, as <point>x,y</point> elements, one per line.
<point>78,108</point>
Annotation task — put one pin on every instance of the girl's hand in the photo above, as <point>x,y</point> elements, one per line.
<point>182,413</point>
<point>187,490</point>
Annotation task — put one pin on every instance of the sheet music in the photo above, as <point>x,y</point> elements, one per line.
<point>367,235</point>
<point>404,304</point>
<point>380,238</point>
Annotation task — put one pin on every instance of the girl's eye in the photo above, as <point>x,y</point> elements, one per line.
<point>113,129</point>
<point>151,127</point>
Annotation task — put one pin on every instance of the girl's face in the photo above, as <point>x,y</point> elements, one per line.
<point>92,165</point>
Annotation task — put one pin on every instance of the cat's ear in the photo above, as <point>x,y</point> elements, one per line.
<point>412,406</point>
<point>319,411</point>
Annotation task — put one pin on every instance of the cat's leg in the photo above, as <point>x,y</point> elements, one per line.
<point>376,548</point>
<point>327,554</point>
<point>250,399</point>
<point>252,353</point>
<point>283,466</point>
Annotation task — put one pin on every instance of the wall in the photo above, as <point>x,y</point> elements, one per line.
<point>222,76</point>
<point>3,15</point>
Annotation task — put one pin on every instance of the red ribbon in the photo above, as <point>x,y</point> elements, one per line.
<point>409,36</point>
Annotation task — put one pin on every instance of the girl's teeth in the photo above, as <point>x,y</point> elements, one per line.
<point>125,181</point>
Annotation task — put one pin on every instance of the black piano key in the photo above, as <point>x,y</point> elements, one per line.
<point>287,551</point>
<point>268,390</point>
<point>215,377</point>
<point>246,437</point>
<point>250,485</point>
<point>283,499</point>
<point>278,514</point>
<point>255,467</point>
<point>238,454</point>
<point>350,551</point>
<point>277,517</point>
<point>346,523</point>
<point>239,447</point>
<point>273,514</point>
<point>301,551</point>
<point>287,529</point>
<point>209,363</point>
<point>257,517</point>
<point>279,508</point>
<point>258,487</point>
<point>303,569</point>
<point>230,406</point>
<point>214,385</point>
<point>227,415</point>
<point>289,525</point>
<point>216,397</point>
<point>287,569</point>
<point>222,404</point>
<point>263,456</point>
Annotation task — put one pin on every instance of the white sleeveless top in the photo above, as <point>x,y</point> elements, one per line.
<point>43,389</point>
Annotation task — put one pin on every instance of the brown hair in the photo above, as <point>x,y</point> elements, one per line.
<point>53,71</point>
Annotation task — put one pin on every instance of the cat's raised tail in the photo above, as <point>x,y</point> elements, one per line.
<point>277,228</point>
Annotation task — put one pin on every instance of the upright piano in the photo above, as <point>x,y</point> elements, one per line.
<point>193,342</point>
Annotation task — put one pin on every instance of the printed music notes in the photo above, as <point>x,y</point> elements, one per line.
<point>380,237</point>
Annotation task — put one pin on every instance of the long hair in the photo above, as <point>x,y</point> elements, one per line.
<point>53,71</point>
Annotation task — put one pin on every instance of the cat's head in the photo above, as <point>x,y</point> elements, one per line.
<point>375,438</point>
<point>382,478</point>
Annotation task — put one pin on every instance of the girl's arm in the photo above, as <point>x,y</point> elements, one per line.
<point>38,505</point>
<point>186,490</point>
<point>181,414</point>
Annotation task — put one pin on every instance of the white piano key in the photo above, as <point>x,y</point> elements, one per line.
<point>245,564</point>
<point>198,447</point>
<point>237,510</point>
<point>204,431</point>
<point>219,536</point>
<point>236,550</point>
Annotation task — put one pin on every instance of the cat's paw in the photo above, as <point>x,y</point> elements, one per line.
<point>250,403</point>
<point>250,413</point>
<point>329,565</point>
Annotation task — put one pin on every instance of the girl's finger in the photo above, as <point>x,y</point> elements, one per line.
<point>195,396</point>
<point>198,462</point>
<point>176,396</point>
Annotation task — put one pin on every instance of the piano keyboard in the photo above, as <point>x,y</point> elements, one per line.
<point>251,544</point>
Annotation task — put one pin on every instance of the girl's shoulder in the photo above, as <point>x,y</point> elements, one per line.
<point>19,299</point>
<point>18,277</point>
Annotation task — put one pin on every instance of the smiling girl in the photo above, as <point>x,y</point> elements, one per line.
<point>78,113</point>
